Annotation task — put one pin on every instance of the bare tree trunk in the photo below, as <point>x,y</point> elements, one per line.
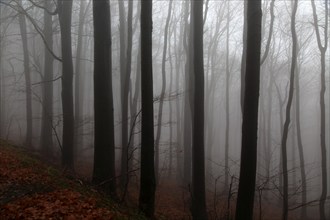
<point>303,214</point>
<point>64,13</point>
<point>162,93</point>
<point>187,129</point>
<point>323,49</point>
<point>198,207</point>
<point>287,115</point>
<point>147,175</point>
<point>124,84</point>
<point>227,100</point>
<point>77,88</point>
<point>246,188</point>
<point>104,140</point>
<point>22,25</point>
<point>46,141</point>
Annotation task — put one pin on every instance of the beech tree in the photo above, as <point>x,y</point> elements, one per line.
<point>247,180</point>
<point>104,141</point>
<point>322,48</point>
<point>64,15</point>
<point>198,208</point>
<point>147,174</point>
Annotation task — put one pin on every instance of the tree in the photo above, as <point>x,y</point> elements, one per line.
<point>104,142</point>
<point>124,89</point>
<point>22,25</point>
<point>287,113</point>
<point>245,197</point>
<point>163,87</point>
<point>46,141</point>
<point>323,49</point>
<point>198,207</point>
<point>64,14</point>
<point>147,173</point>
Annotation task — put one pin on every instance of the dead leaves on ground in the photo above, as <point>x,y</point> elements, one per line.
<point>28,191</point>
<point>59,204</point>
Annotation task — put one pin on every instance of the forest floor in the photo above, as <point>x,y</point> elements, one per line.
<point>32,189</point>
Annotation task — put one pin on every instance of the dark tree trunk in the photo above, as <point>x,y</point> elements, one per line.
<point>64,13</point>
<point>162,93</point>
<point>147,176</point>
<point>46,142</point>
<point>245,197</point>
<point>198,208</point>
<point>323,49</point>
<point>22,25</point>
<point>287,114</point>
<point>104,142</point>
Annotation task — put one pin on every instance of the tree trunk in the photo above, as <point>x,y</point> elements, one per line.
<point>64,13</point>
<point>104,142</point>
<point>147,175</point>
<point>288,109</point>
<point>245,197</point>
<point>187,129</point>
<point>77,90</point>
<point>22,25</point>
<point>303,214</point>
<point>46,142</point>
<point>162,93</point>
<point>198,208</point>
<point>323,49</point>
<point>227,101</point>
<point>124,84</point>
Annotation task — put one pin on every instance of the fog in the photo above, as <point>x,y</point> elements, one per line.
<point>172,101</point>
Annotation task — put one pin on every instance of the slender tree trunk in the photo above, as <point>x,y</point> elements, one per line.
<point>22,25</point>
<point>124,84</point>
<point>104,141</point>
<point>65,13</point>
<point>227,100</point>
<point>323,49</point>
<point>243,60</point>
<point>246,188</point>
<point>303,214</point>
<point>147,175</point>
<point>46,141</point>
<point>187,129</point>
<point>287,115</point>
<point>77,88</point>
<point>198,160</point>
<point>162,93</point>
<point>170,163</point>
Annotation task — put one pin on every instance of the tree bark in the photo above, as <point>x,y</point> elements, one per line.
<point>323,49</point>
<point>288,110</point>
<point>147,175</point>
<point>104,141</point>
<point>198,207</point>
<point>65,13</point>
<point>245,197</point>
